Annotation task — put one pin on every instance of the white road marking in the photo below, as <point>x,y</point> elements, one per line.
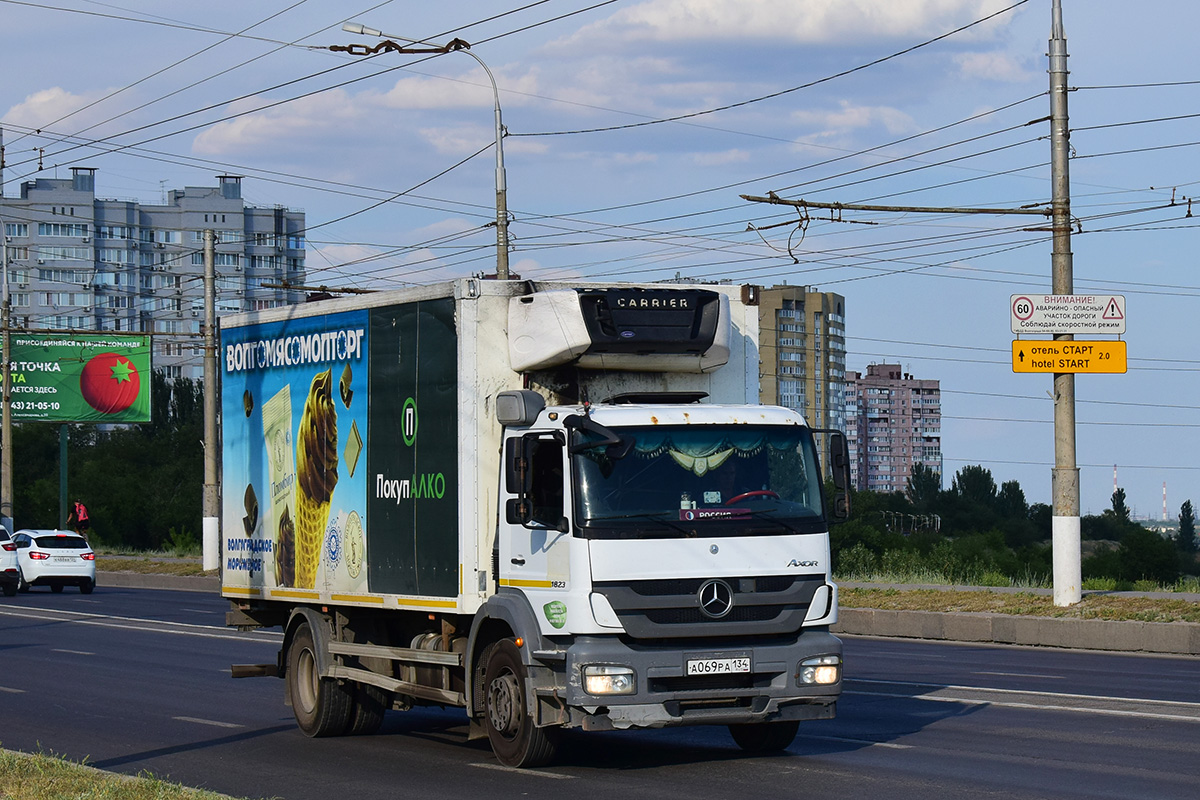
<point>1178,711</point>
<point>530,772</point>
<point>10,690</point>
<point>213,722</point>
<point>868,742</point>
<point>135,624</point>
<point>1023,675</point>
<point>73,652</point>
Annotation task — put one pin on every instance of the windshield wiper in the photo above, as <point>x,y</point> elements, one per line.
<point>651,516</point>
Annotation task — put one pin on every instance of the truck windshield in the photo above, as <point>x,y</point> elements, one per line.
<point>728,480</point>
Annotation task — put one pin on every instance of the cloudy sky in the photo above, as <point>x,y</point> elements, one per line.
<point>633,127</point>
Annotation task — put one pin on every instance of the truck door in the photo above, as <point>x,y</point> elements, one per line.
<point>537,531</point>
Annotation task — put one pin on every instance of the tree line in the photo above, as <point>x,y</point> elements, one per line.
<point>976,531</point>
<point>141,484</point>
<point>143,487</point>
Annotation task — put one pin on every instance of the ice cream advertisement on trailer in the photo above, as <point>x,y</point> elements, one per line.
<point>334,428</point>
<point>294,495</point>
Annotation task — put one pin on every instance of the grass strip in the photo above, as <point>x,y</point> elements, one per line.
<point>1093,606</point>
<point>43,776</point>
<point>150,566</point>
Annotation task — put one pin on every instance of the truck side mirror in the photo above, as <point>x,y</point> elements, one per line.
<point>839,467</point>
<point>517,478</point>
<point>533,468</point>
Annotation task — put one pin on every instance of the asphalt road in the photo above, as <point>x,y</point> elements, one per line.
<point>136,679</point>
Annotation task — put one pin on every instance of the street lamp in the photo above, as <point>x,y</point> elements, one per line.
<point>455,46</point>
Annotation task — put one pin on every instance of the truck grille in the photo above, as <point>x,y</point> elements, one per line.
<point>655,609</point>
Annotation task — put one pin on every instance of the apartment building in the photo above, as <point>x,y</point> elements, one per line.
<point>893,421</point>
<point>802,352</point>
<point>78,262</point>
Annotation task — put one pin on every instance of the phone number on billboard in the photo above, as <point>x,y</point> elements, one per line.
<point>18,405</point>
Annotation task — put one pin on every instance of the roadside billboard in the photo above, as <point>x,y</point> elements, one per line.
<point>80,377</point>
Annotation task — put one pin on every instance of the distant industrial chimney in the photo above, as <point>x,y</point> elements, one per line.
<point>1164,519</point>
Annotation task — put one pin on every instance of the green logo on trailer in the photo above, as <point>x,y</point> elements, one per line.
<point>409,420</point>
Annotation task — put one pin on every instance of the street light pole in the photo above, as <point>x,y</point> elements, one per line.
<point>459,46</point>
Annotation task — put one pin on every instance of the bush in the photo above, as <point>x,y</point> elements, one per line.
<point>182,543</point>
<point>1142,556</point>
<point>857,562</point>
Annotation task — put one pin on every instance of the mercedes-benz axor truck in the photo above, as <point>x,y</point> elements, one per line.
<point>554,506</point>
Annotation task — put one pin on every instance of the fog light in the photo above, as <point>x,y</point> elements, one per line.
<point>602,679</point>
<point>821,671</point>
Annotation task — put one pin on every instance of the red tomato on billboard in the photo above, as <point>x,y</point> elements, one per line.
<point>110,383</point>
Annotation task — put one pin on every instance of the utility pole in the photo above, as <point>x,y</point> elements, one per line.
<point>6,457</point>
<point>211,523</point>
<point>1065,477</point>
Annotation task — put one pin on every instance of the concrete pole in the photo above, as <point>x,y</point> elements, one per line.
<point>1065,477</point>
<point>211,511</point>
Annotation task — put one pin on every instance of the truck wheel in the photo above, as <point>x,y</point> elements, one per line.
<point>516,740</point>
<point>369,704</point>
<point>764,737</point>
<point>321,705</point>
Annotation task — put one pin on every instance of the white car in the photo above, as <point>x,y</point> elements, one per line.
<point>8,564</point>
<point>55,559</point>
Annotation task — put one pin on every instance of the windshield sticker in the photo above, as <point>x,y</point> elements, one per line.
<point>556,613</point>
<point>692,514</point>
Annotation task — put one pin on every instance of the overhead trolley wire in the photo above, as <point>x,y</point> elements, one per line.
<point>782,92</point>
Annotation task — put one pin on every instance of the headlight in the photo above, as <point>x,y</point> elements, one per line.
<point>602,679</point>
<point>820,671</point>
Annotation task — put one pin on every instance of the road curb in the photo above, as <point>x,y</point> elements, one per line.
<point>1177,638</point>
<point>139,580</point>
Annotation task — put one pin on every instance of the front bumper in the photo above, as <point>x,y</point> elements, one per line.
<point>666,696</point>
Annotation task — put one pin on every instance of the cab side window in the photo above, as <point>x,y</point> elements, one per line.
<point>546,486</point>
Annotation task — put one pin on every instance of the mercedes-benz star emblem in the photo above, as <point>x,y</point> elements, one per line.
<point>716,598</point>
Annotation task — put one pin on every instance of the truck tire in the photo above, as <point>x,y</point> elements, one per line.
<point>370,702</point>
<point>321,705</point>
<point>516,740</point>
<point>764,737</point>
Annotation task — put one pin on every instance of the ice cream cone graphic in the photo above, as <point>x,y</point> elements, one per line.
<point>316,476</point>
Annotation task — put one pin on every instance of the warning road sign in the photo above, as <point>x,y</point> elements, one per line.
<point>1067,313</point>
<point>1068,356</point>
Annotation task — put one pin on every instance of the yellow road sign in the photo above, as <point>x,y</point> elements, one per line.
<point>1034,355</point>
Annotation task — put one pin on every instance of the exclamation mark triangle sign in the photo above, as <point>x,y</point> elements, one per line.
<point>1113,310</point>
